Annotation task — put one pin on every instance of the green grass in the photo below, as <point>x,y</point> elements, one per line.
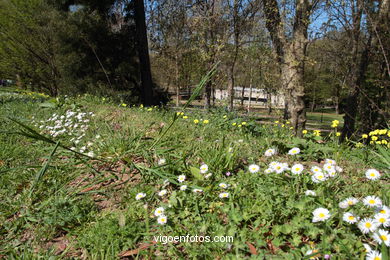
<point>57,203</point>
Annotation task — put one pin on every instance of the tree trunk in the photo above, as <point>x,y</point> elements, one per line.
<point>250,90</point>
<point>207,95</point>
<point>354,88</point>
<point>242,96</point>
<point>290,56</point>
<point>177,82</point>
<point>269,101</point>
<point>143,54</point>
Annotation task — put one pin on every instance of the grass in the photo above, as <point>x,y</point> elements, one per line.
<point>60,204</point>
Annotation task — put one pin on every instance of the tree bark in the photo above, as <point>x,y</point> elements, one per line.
<point>354,88</point>
<point>291,57</point>
<point>143,54</point>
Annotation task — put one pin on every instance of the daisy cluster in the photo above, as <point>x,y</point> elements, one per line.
<point>181,179</point>
<point>330,169</point>
<point>73,124</point>
<point>373,225</point>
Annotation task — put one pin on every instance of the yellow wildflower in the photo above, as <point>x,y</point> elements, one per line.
<point>196,121</point>
<point>364,136</point>
<point>304,131</point>
<point>185,117</point>
<point>374,138</point>
<point>338,134</point>
<point>243,123</point>
<point>205,121</point>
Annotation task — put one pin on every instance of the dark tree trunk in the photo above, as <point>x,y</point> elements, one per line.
<point>143,54</point>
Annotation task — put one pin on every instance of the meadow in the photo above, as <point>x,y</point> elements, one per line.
<point>86,177</point>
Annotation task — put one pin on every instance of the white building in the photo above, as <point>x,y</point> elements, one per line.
<point>258,96</point>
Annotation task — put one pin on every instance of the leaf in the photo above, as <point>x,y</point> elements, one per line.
<point>252,248</point>
<point>136,251</point>
<point>196,173</point>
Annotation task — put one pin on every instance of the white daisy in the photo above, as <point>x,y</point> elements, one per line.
<point>294,151</point>
<point>315,169</point>
<point>204,168</point>
<point>343,204</point>
<point>159,211</point>
<point>320,214</point>
<point>279,168</point>
<point>297,168</point>
<point>339,169</point>
<point>273,164</point>
<point>197,190</point>
<point>384,210</point>
<point>367,247</point>
<point>310,193</point>
<point>181,178</point>
<point>350,201</point>
<point>382,219</point>
<point>223,195</point>
<point>318,177</point>
<point>270,152</point>
<point>373,255</point>
<point>329,167</point>
<point>367,225</point>
<point>254,168</point>
<point>268,171</point>
<point>161,161</point>
<point>162,193</point>
<point>330,161</point>
<point>183,187</point>
<point>372,174</point>
<point>382,236</point>
<point>350,218</point>
<point>162,220</point>
<point>372,201</point>
<point>208,175</point>
<point>140,196</point>
<point>223,185</point>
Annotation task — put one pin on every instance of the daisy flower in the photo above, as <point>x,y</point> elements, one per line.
<point>350,218</point>
<point>297,168</point>
<point>384,210</point>
<point>162,193</point>
<point>330,161</point>
<point>372,201</point>
<point>270,152</point>
<point>349,202</point>
<point>208,175</point>
<point>161,161</point>
<point>367,225</point>
<point>254,168</point>
<point>320,214</point>
<point>223,195</point>
<point>140,196</point>
<point>162,220</point>
<point>268,171</point>
<point>183,187</point>
<point>328,167</point>
<point>294,151</point>
<point>382,236</point>
<point>373,255</point>
<point>197,190</point>
<point>223,185</point>
<point>279,168</point>
<point>181,178</point>
<point>315,169</point>
<point>367,247</point>
<point>159,211</point>
<point>382,219</point>
<point>318,177</point>
<point>204,168</point>
<point>372,174</point>
<point>310,193</point>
